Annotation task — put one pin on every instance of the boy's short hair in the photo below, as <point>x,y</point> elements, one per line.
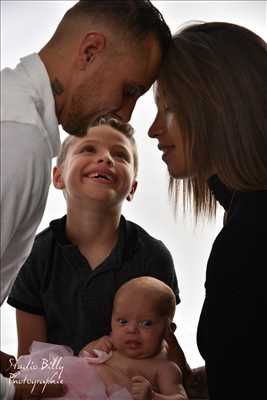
<point>123,127</point>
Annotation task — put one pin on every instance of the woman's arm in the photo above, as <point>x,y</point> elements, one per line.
<point>30,327</point>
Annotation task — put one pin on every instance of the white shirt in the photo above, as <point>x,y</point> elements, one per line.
<point>7,388</point>
<point>29,141</point>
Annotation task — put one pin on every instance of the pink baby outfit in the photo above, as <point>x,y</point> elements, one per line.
<point>54,363</point>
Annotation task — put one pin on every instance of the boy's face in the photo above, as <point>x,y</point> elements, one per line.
<point>137,327</point>
<point>98,167</point>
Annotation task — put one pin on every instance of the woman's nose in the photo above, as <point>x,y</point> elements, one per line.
<point>156,128</point>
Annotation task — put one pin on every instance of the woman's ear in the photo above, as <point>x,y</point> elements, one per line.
<point>57,178</point>
<point>132,191</point>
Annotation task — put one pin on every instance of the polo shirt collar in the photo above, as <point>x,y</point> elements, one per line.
<point>124,248</point>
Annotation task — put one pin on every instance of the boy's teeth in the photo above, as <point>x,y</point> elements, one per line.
<point>100,176</point>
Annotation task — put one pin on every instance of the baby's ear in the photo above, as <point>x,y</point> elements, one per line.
<point>57,178</point>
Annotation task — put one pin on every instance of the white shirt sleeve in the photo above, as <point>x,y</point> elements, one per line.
<point>25,180</point>
<point>7,388</point>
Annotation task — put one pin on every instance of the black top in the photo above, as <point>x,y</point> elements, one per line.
<point>57,282</point>
<point>232,331</point>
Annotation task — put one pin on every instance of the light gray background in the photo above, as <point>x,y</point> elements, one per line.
<point>25,27</point>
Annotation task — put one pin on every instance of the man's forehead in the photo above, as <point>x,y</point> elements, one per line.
<point>146,60</point>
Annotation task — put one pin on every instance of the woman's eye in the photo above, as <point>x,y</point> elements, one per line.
<point>167,109</point>
<point>122,321</point>
<point>145,324</point>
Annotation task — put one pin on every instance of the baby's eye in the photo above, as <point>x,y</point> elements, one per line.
<point>122,321</point>
<point>145,323</point>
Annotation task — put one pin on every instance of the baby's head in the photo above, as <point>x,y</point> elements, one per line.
<point>143,310</point>
<point>103,161</point>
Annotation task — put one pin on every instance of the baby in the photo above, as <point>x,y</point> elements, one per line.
<point>136,368</point>
<point>143,310</point>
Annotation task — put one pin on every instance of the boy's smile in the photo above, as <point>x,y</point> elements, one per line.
<point>102,176</point>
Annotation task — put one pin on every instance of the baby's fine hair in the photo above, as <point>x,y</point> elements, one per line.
<point>123,127</point>
<point>156,290</point>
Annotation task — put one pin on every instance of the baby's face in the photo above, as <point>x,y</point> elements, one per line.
<point>137,329</point>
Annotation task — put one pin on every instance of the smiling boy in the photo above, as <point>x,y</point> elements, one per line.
<point>64,291</point>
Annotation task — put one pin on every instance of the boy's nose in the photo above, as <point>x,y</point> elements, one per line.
<point>105,158</point>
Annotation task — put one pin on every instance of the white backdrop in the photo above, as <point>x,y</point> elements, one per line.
<point>25,27</point>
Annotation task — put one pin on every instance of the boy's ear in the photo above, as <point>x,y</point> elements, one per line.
<point>173,327</point>
<point>57,178</point>
<point>132,191</point>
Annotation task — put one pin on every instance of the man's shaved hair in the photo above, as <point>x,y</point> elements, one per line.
<point>133,19</point>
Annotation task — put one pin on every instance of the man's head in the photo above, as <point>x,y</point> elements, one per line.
<point>103,56</point>
<point>143,310</point>
<point>101,166</point>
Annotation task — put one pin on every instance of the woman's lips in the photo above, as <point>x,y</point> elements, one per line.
<point>167,150</point>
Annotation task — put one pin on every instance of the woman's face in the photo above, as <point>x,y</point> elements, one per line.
<point>166,129</point>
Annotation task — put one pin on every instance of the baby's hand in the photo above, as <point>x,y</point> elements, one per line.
<point>104,344</point>
<point>141,388</point>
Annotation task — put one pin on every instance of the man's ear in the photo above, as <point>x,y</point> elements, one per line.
<point>132,191</point>
<point>91,44</point>
<point>57,178</point>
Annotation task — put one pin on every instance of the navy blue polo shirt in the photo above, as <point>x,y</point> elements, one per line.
<point>57,281</point>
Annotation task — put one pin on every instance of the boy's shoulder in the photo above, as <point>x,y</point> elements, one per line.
<point>142,242</point>
<point>50,235</point>
<point>142,236</point>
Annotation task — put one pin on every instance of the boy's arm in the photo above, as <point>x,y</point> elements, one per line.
<point>27,391</point>
<point>30,327</point>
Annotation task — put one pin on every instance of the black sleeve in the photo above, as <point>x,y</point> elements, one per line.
<point>160,265</point>
<point>235,314</point>
<point>25,294</point>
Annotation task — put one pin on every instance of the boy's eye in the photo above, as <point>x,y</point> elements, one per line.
<point>121,155</point>
<point>88,149</point>
<point>122,321</point>
<point>145,323</point>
